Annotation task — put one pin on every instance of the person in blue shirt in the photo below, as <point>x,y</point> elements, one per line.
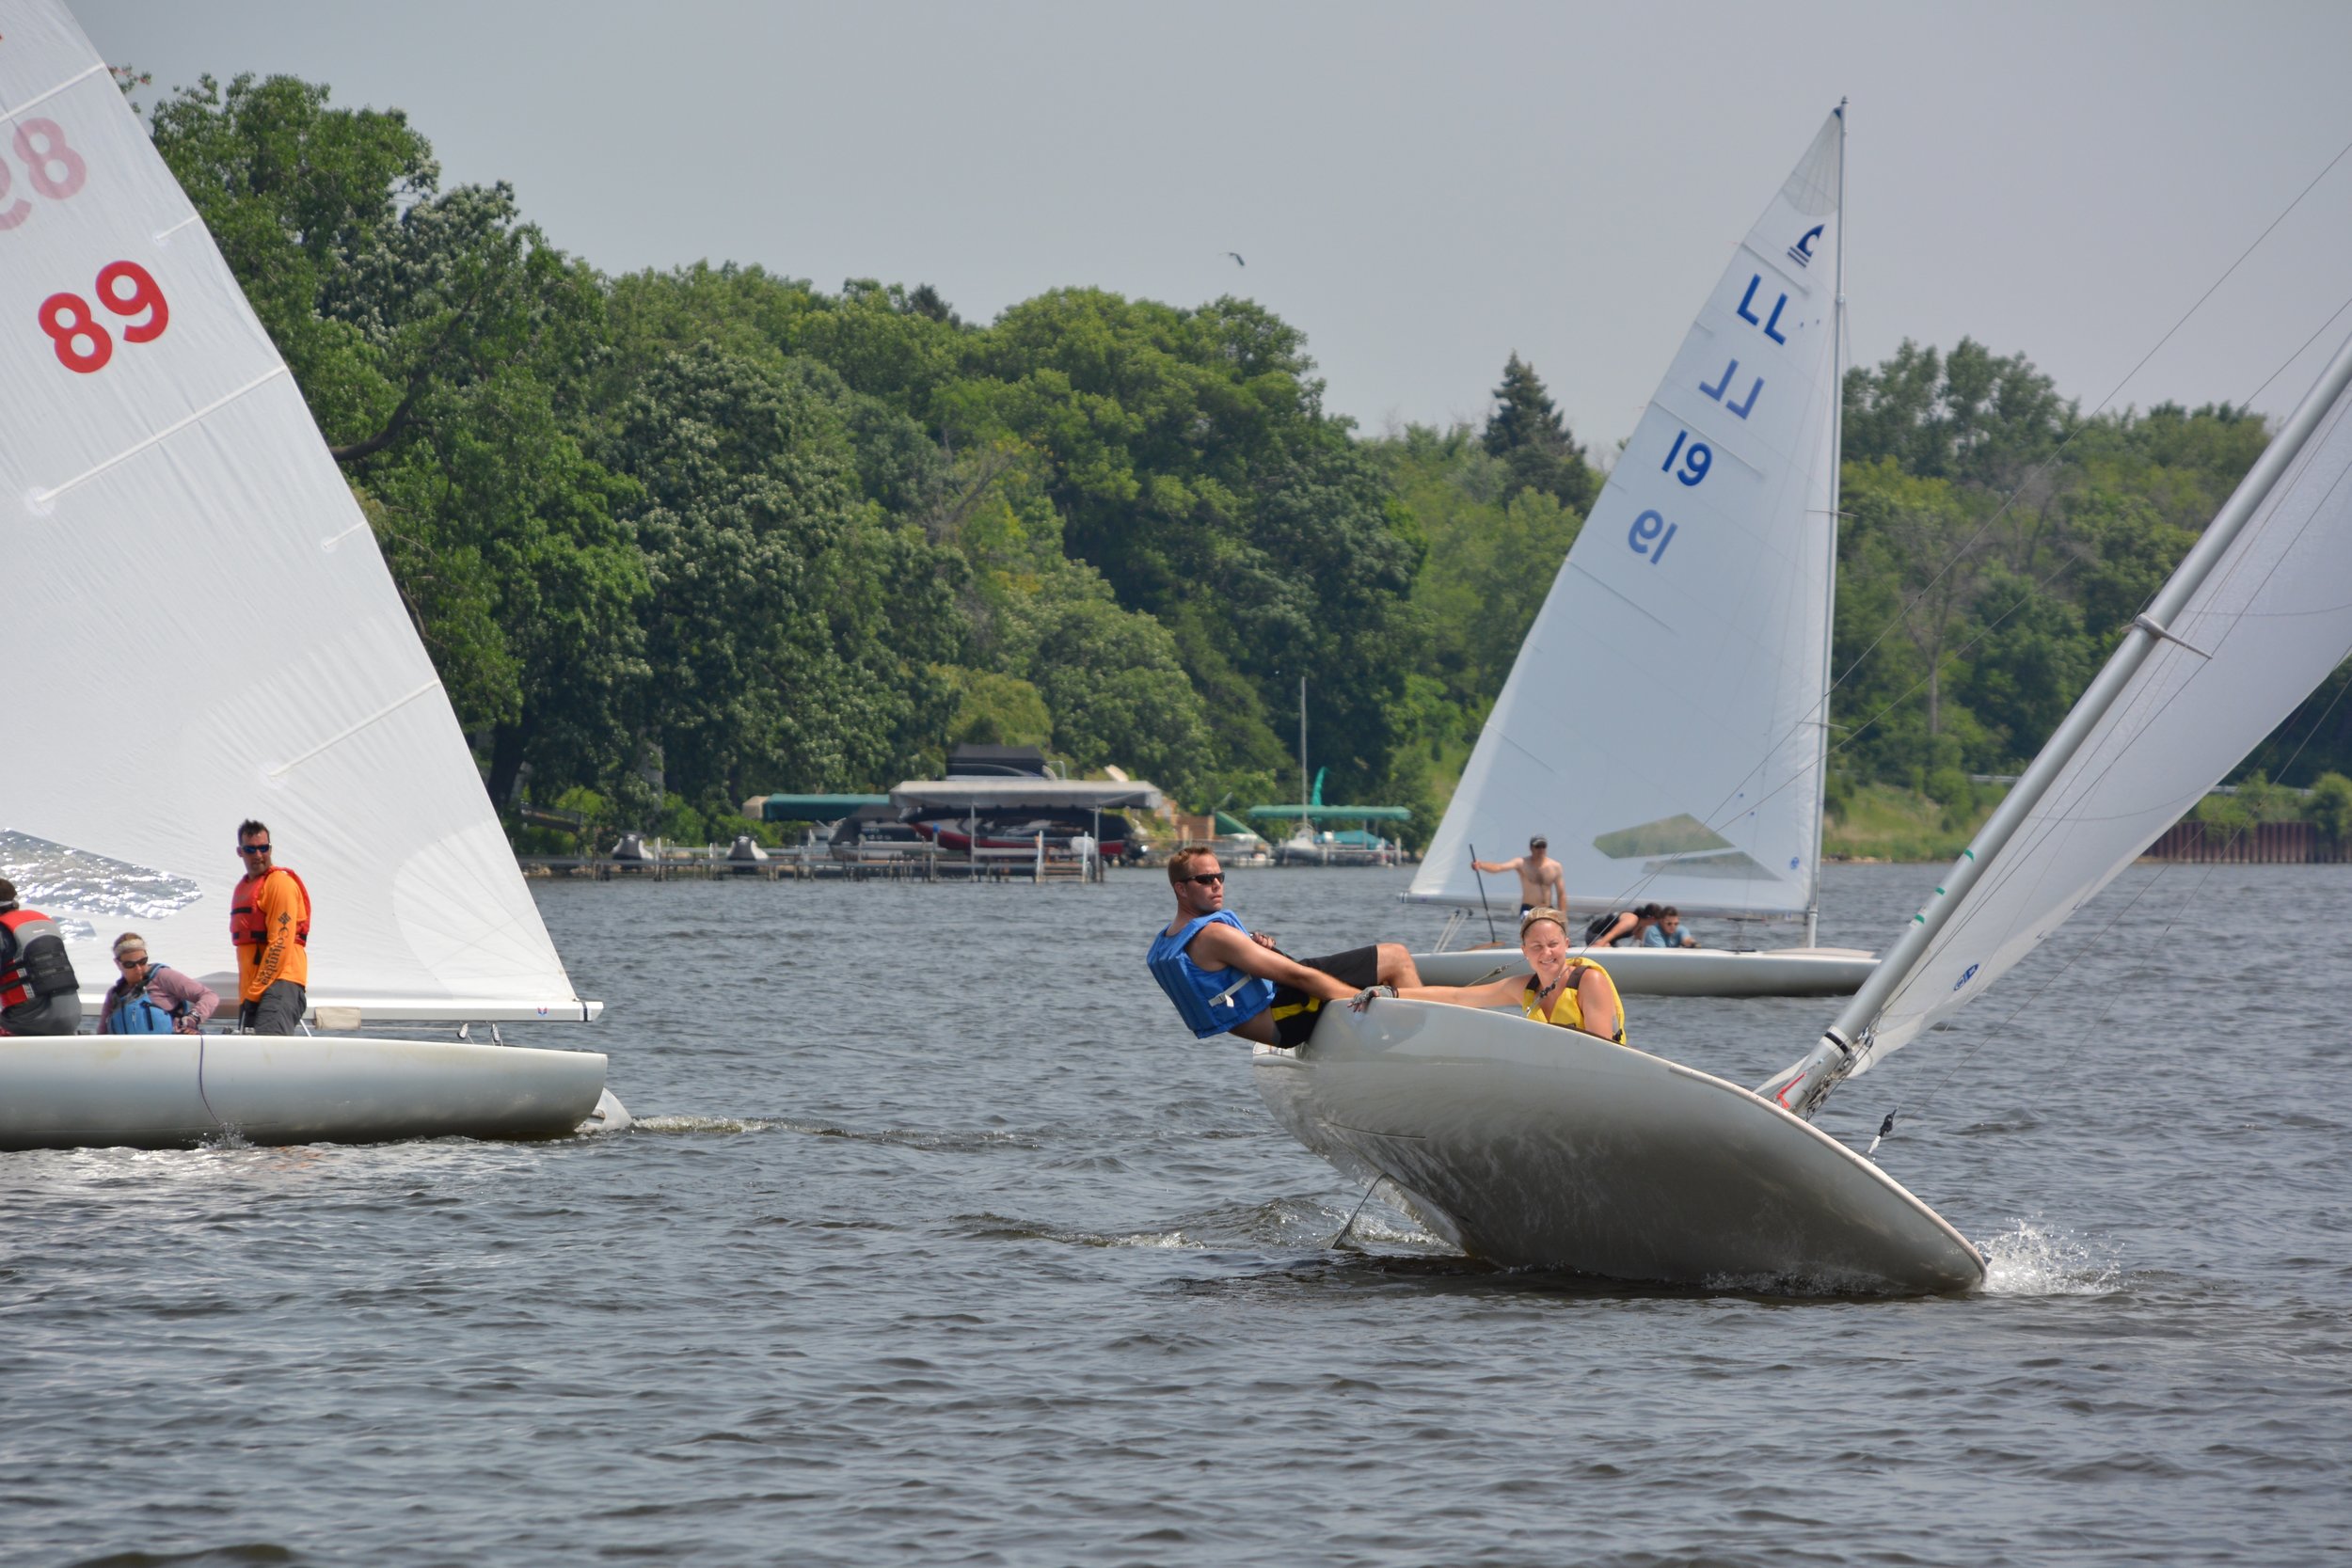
<point>1225,978</point>
<point>1668,932</point>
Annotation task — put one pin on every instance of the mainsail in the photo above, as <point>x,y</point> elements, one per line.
<point>1663,722</point>
<point>199,626</point>
<point>2258,613</point>
<point>2271,617</point>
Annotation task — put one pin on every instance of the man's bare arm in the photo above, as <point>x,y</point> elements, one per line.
<point>1223,947</point>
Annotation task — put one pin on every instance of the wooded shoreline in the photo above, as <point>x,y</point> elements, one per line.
<point>672,539</point>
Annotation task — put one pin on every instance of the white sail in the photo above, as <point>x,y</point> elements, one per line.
<point>196,621</point>
<point>2269,617</point>
<point>1662,725</point>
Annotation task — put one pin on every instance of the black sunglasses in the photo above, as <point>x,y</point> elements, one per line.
<point>1206,878</point>
<point>252,848</point>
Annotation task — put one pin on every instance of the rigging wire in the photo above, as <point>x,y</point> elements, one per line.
<point>2101,407</point>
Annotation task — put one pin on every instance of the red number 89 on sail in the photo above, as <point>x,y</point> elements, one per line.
<point>83,345</point>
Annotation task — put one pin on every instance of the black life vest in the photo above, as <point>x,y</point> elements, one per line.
<point>33,962</point>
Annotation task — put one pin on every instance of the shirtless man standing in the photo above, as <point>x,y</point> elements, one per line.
<point>1539,877</point>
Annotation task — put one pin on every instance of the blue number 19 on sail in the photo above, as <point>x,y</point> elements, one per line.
<point>1647,527</point>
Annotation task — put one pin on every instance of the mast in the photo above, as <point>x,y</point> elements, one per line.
<point>1802,1088</point>
<point>1305,820</point>
<point>1829,606</point>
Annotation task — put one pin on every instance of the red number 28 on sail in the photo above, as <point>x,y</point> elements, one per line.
<point>68,321</point>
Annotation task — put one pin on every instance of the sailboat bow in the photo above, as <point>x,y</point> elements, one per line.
<point>1533,1146</point>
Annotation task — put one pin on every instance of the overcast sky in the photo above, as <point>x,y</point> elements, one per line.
<point>1422,189</point>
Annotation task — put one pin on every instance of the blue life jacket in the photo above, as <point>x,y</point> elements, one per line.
<point>138,1014</point>
<point>1211,1001</point>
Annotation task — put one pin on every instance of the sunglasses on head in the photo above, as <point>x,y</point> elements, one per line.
<point>1207,879</point>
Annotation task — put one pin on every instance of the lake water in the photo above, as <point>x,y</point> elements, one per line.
<point>941,1242</point>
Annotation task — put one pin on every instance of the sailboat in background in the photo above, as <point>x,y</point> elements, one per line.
<point>1534,1145</point>
<point>1674,689</point>
<point>199,629</point>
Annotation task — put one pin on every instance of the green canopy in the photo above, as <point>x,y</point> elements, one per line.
<point>1334,813</point>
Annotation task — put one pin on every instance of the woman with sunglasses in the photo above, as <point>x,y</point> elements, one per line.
<point>153,998</point>
<point>1574,994</point>
<point>1226,978</point>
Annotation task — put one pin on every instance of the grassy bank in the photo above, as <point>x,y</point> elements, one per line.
<point>1880,822</point>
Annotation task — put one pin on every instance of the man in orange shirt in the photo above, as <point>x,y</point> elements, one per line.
<point>269,923</point>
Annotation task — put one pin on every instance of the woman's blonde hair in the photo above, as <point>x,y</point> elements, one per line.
<point>1542,913</point>
<point>129,939</point>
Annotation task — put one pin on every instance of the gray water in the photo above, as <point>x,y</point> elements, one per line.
<point>941,1242</point>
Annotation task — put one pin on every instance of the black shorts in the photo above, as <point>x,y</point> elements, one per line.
<point>1294,1012</point>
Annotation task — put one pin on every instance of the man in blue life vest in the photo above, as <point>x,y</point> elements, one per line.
<point>1226,978</point>
<point>39,994</point>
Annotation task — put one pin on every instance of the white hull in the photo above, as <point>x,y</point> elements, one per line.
<point>165,1092</point>
<point>1680,971</point>
<point>1533,1145</point>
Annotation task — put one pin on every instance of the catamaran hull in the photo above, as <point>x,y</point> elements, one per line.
<point>1680,971</point>
<point>1533,1146</point>
<point>169,1091</point>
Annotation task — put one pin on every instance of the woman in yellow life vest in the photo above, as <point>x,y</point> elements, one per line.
<point>1574,994</point>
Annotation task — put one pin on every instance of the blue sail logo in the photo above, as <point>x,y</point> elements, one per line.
<point>1965,975</point>
<point>1802,253</point>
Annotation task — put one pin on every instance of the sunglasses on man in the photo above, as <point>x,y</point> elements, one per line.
<point>1207,878</point>
<point>252,848</point>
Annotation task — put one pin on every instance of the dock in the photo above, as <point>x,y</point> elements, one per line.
<point>821,864</point>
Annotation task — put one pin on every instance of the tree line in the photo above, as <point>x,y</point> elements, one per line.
<point>675,538</point>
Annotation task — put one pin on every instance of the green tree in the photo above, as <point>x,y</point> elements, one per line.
<point>794,635</point>
<point>1526,432</point>
<point>2330,807</point>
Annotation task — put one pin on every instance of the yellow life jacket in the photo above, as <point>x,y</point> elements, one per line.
<point>1567,1009</point>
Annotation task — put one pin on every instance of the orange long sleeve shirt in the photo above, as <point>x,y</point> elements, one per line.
<point>282,909</point>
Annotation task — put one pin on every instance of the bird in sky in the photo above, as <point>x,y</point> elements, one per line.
<point>1236,256</point>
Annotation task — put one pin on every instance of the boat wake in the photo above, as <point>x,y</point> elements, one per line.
<point>725,1125</point>
<point>1284,1223</point>
<point>2033,1258</point>
<point>951,1141</point>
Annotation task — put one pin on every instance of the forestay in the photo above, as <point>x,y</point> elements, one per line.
<point>1662,722</point>
<point>2266,623</point>
<point>198,625</point>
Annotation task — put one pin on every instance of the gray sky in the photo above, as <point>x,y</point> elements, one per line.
<point>1422,189</point>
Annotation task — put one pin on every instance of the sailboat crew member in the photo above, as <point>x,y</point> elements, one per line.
<point>153,998</point>
<point>39,994</point>
<point>1619,926</point>
<point>1539,876</point>
<point>1226,978</point>
<point>269,924</point>
<point>1572,993</point>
